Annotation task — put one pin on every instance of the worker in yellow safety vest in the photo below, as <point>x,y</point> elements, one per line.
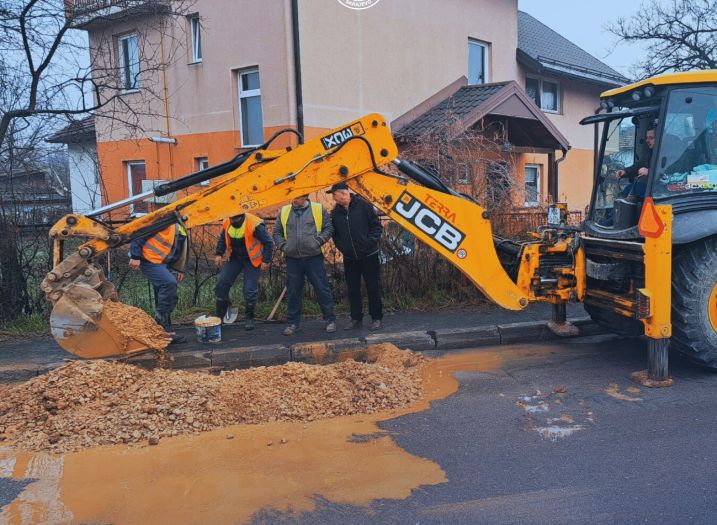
<point>302,229</point>
<point>157,256</point>
<point>248,245</point>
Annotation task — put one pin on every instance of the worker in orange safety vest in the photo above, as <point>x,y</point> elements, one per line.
<point>157,256</point>
<point>248,246</point>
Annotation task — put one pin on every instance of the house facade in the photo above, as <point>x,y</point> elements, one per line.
<point>84,172</point>
<point>240,71</point>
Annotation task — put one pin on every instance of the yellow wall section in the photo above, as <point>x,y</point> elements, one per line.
<point>575,184</point>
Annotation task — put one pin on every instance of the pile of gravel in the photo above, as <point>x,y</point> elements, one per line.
<point>86,404</point>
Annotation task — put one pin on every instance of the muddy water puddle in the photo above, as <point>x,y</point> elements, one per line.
<point>230,474</point>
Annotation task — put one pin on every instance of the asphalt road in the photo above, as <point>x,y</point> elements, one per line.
<point>563,437</point>
<point>638,457</point>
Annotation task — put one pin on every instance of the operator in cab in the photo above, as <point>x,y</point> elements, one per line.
<point>637,173</point>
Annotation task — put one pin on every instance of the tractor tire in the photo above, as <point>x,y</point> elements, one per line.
<point>694,303</point>
<point>615,323</point>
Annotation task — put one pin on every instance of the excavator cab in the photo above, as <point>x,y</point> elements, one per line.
<point>680,160</point>
<point>652,222</point>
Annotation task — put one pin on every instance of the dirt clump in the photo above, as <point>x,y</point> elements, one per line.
<point>85,404</point>
<point>135,323</point>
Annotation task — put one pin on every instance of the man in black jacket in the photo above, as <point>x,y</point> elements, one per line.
<point>637,173</point>
<point>357,230</point>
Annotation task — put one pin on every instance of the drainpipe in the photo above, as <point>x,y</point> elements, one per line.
<point>162,27</point>
<point>297,67</point>
<point>557,171</point>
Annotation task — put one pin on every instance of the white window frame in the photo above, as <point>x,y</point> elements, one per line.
<point>246,94</point>
<point>486,60</point>
<point>195,28</point>
<point>129,165</point>
<point>558,94</point>
<point>123,66</point>
<point>532,204</point>
<point>202,164</point>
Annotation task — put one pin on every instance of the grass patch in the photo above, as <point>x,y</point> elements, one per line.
<point>27,325</point>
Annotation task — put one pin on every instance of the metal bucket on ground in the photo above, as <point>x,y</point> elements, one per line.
<point>209,329</point>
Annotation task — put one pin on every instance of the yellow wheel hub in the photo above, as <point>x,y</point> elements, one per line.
<point>712,308</point>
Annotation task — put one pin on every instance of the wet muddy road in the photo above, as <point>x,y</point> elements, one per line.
<point>534,434</point>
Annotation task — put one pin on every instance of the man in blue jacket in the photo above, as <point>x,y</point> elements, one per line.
<point>357,230</point>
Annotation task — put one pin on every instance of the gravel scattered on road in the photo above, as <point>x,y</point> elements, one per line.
<point>86,404</point>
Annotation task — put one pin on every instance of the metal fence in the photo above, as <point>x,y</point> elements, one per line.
<point>413,275</point>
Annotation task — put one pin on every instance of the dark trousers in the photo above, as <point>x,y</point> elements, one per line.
<point>370,269</point>
<point>228,275</point>
<point>311,268</point>
<point>165,286</point>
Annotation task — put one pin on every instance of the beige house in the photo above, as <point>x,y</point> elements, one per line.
<point>239,71</point>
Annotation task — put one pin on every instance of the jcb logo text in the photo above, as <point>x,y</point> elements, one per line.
<point>429,222</point>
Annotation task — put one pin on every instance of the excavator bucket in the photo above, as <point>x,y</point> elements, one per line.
<point>87,321</point>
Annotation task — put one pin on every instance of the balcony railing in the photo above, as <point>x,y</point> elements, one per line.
<point>93,14</point>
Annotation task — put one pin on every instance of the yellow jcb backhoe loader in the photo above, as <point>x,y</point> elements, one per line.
<point>620,265</point>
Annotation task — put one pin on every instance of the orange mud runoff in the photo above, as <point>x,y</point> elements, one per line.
<point>230,474</point>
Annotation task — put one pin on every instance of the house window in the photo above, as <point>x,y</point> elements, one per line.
<point>545,93</point>
<point>532,185</point>
<point>128,62</point>
<point>477,62</point>
<point>196,28</point>
<point>201,163</point>
<point>252,124</point>
<point>136,173</point>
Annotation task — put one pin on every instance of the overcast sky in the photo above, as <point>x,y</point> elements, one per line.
<point>583,23</point>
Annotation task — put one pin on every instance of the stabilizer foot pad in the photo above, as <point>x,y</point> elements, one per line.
<point>642,378</point>
<point>563,329</point>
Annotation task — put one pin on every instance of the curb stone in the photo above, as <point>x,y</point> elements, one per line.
<point>452,339</point>
<point>522,332</point>
<point>190,359</point>
<point>417,341</point>
<point>324,352</point>
<point>249,356</point>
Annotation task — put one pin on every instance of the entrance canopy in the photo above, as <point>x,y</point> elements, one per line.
<point>459,107</point>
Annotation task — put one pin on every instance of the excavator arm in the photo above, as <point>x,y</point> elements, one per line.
<point>452,224</point>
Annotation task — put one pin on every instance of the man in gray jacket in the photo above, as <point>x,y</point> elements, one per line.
<point>301,229</point>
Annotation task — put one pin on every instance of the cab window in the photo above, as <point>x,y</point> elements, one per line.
<point>687,161</point>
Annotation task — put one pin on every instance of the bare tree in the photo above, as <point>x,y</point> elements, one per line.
<point>679,35</point>
<point>472,161</point>
<point>49,72</point>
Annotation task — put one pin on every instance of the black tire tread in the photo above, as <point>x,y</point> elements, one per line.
<point>694,274</point>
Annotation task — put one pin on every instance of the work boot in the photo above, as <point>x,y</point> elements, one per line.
<point>291,329</point>
<point>222,307</point>
<point>165,322</point>
<point>354,324</point>
<point>249,320</point>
